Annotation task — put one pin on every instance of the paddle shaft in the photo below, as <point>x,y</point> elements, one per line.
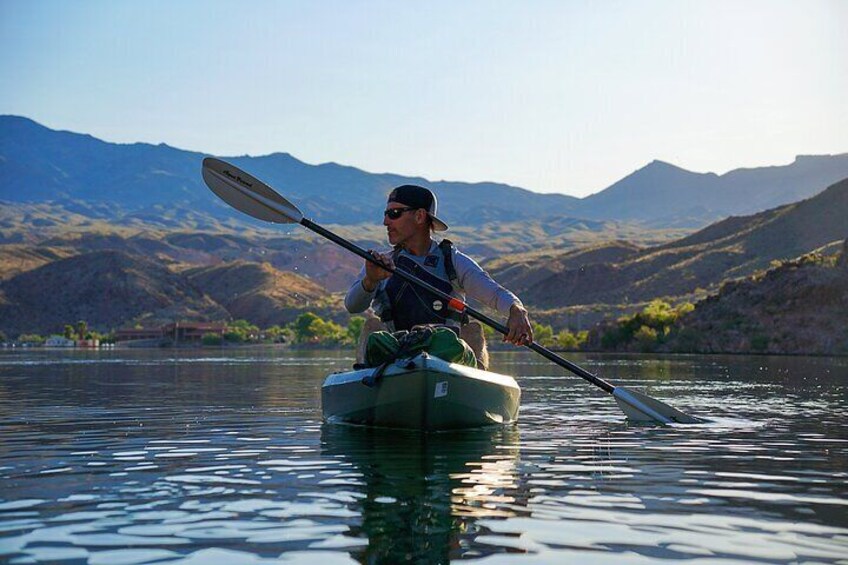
<point>458,305</point>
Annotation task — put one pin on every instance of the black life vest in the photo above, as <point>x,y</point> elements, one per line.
<point>406,305</point>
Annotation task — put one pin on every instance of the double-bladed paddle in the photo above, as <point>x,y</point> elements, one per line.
<point>248,194</point>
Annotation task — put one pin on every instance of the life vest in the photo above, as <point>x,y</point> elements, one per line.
<point>402,304</point>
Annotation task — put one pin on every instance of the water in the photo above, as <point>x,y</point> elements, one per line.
<point>202,457</point>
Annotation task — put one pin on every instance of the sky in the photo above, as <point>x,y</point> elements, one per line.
<point>553,96</point>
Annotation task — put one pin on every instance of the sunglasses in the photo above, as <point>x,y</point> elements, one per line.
<point>395,213</point>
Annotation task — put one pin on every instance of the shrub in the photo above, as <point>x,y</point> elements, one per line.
<point>759,342</point>
<point>543,335</point>
<point>212,339</point>
<point>277,334</point>
<point>647,338</point>
<point>687,340</point>
<point>234,336</point>
<point>568,340</point>
<point>34,339</point>
<point>649,327</point>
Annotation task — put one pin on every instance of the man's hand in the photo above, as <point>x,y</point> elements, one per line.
<point>373,273</point>
<point>520,330</point>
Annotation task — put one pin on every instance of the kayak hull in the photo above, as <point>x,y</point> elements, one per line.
<point>423,393</point>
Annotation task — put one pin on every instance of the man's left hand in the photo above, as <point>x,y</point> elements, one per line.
<point>520,330</point>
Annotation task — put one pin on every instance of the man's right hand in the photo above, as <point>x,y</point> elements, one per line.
<point>373,273</point>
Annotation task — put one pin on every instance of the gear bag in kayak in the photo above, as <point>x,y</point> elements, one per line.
<point>384,347</point>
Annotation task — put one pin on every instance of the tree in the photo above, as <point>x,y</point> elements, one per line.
<point>247,331</point>
<point>571,341</point>
<point>310,328</point>
<point>82,329</point>
<point>3,337</point>
<point>277,334</point>
<point>233,336</point>
<point>327,332</point>
<point>543,335</point>
<point>658,314</point>
<point>70,332</point>
<point>646,337</point>
<point>212,339</point>
<point>241,331</point>
<point>303,332</point>
<point>33,339</point>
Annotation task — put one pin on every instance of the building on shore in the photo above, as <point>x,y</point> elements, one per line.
<point>174,334</point>
<point>135,334</point>
<point>191,333</point>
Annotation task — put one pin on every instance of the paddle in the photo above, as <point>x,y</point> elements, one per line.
<point>253,197</point>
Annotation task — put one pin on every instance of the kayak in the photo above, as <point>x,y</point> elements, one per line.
<point>421,393</point>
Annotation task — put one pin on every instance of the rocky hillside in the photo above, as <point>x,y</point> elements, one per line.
<point>107,289</point>
<point>699,263</point>
<point>257,291</point>
<point>800,306</point>
<point>112,289</point>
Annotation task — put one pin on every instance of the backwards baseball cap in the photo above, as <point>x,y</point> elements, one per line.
<point>416,196</point>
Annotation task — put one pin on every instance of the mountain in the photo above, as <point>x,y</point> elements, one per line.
<point>162,184</point>
<point>105,288</point>
<point>111,289</point>
<point>799,306</point>
<point>735,247</point>
<point>256,291</point>
<point>666,195</point>
<point>158,185</point>
<point>658,190</point>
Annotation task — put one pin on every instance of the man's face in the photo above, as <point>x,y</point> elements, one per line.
<point>401,229</point>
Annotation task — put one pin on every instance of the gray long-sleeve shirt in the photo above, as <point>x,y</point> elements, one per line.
<point>471,279</point>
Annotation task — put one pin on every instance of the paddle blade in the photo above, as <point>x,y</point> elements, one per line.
<point>248,194</point>
<point>639,407</point>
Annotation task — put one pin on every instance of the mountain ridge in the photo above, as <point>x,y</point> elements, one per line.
<point>139,180</point>
<point>732,248</point>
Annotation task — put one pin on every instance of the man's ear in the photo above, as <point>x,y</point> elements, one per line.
<point>421,216</point>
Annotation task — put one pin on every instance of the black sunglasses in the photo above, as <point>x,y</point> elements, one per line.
<point>395,213</point>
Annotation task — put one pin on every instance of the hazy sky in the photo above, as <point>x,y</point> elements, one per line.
<point>559,96</point>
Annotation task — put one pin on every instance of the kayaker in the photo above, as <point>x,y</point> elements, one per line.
<point>410,220</point>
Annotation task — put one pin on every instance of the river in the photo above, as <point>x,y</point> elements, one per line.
<point>207,456</point>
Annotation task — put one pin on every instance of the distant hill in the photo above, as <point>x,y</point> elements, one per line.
<point>734,247</point>
<point>799,306</point>
<point>158,183</point>
<point>665,195</point>
<point>161,186</point>
<point>106,288</point>
<point>257,292</point>
<point>113,289</point>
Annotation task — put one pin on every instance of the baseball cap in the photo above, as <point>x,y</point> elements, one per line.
<point>416,196</point>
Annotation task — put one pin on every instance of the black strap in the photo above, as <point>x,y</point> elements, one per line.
<point>446,247</point>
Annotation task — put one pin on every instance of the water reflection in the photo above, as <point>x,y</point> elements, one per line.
<point>422,494</point>
<point>151,457</point>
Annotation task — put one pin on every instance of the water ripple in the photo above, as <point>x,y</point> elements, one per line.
<point>155,457</point>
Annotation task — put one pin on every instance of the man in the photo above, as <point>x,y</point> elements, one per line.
<point>410,220</point>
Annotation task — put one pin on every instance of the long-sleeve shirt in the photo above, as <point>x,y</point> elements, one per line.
<point>471,280</point>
